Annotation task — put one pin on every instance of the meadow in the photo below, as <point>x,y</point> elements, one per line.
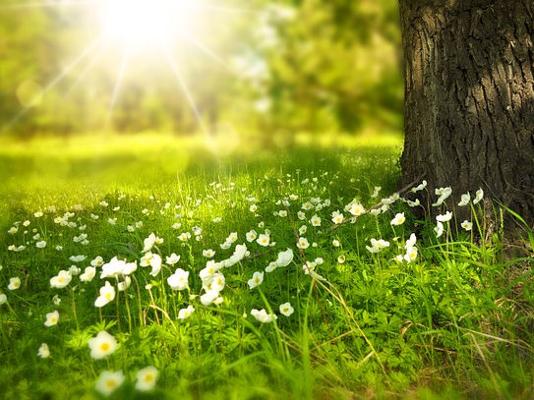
<point>154,267</point>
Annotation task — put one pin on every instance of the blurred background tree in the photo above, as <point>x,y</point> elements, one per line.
<point>279,67</point>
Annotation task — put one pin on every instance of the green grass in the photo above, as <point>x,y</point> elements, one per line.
<point>455,323</point>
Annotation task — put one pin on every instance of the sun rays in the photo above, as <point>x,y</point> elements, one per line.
<point>129,30</point>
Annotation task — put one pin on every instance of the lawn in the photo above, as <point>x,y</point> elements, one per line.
<point>223,269</point>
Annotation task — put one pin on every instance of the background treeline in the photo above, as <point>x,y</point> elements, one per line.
<point>284,67</point>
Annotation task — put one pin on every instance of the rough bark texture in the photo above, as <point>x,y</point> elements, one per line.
<point>469,107</point>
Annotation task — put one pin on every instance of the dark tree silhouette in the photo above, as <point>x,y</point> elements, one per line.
<point>469,97</point>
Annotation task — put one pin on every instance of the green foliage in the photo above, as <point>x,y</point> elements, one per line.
<point>454,323</point>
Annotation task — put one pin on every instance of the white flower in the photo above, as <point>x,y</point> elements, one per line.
<point>152,260</point>
<point>77,259</point>
<point>377,245</point>
<point>443,194</point>
<point>256,280</point>
<point>411,241</point>
<point>253,208</point>
<point>286,309</point>
<point>88,274</point>
<point>336,243</point>
<point>422,186</point>
<point>337,217</point>
<point>341,259</point>
<point>41,244</point>
<point>444,217</point>
<point>467,225</point>
<point>264,240</point>
<point>185,313</point>
<point>399,219</point>
<point>56,300</point>
<point>150,241</point>
<point>209,297</point>
<point>179,280</point>
<point>44,351</point>
<point>61,280</point>
<point>184,237</point>
<point>52,319</point>
<point>97,261</point>
<point>172,259</point>
<point>102,345</point>
<point>303,243</point>
<point>3,298</point>
<point>356,209</point>
<point>301,215</point>
<point>315,220</point>
<point>478,196</point>
<point>284,258</point>
<point>464,199</point>
<point>411,254</point>
<point>108,382</point>
<point>439,229</point>
<point>13,230</point>
<point>413,203</point>
<point>282,213</point>
<point>146,379</point>
<point>262,316</point>
<point>14,283</point>
<point>251,235</point>
<point>122,286</point>
<point>74,270</point>
<point>209,253</point>
<point>107,294</point>
<point>115,268</point>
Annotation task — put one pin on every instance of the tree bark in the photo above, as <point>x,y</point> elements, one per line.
<point>469,97</point>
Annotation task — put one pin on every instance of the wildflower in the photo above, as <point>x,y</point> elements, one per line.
<point>315,220</point>
<point>209,253</point>
<point>185,313</point>
<point>478,196</point>
<point>282,213</point>
<point>125,284</point>
<point>13,230</point>
<point>41,244</point>
<point>146,379</point>
<point>443,194</point>
<point>209,297</point>
<point>303,243</point>
<point>399,219</point>
<point>107,294</point>
<point>74,270</point>
<point>253,208</point>
<point>376,191</point>
<point>61,280</point>
<point>52,319</point>
<point>286,309</point>
<point>179,280</point>
<point>264,240</point>
<point>337,217</point>
<point>413,203</point>
<point>115,268</point>
<point>411,241</point>
<point>356,209</point>
<point>301,215</point>
<point>256,280</point>
<point>97,261</point>
<point>56,300</point>
<point>467,225</point>
<point>150,241</point>
<point>251,235</point>
<point>411,254</point>
<point>151,260</point>
<point>44,351</point>
<point>3,298</point>
<point>465,198</point>
<point>14,283</point>
<point>341,259</point>
<point>102,345</point>
<point>172,259</point>
<point>303,229</point>
<point>77,259</point>
<point>184,237</point>
<point>444,217</point>
<point>88,274</point>
<point>262,316</point>
<point>377,245</point>
<point>439,229</point>
<point>420,187</point>
<point>108,382</point>
<point>336,243</point>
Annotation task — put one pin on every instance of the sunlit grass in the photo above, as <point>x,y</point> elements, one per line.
<point>451,323</point>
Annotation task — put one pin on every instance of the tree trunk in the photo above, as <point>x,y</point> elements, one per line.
<point>469,97</point>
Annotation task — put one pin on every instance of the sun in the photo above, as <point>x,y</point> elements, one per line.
<point>143,24</point>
